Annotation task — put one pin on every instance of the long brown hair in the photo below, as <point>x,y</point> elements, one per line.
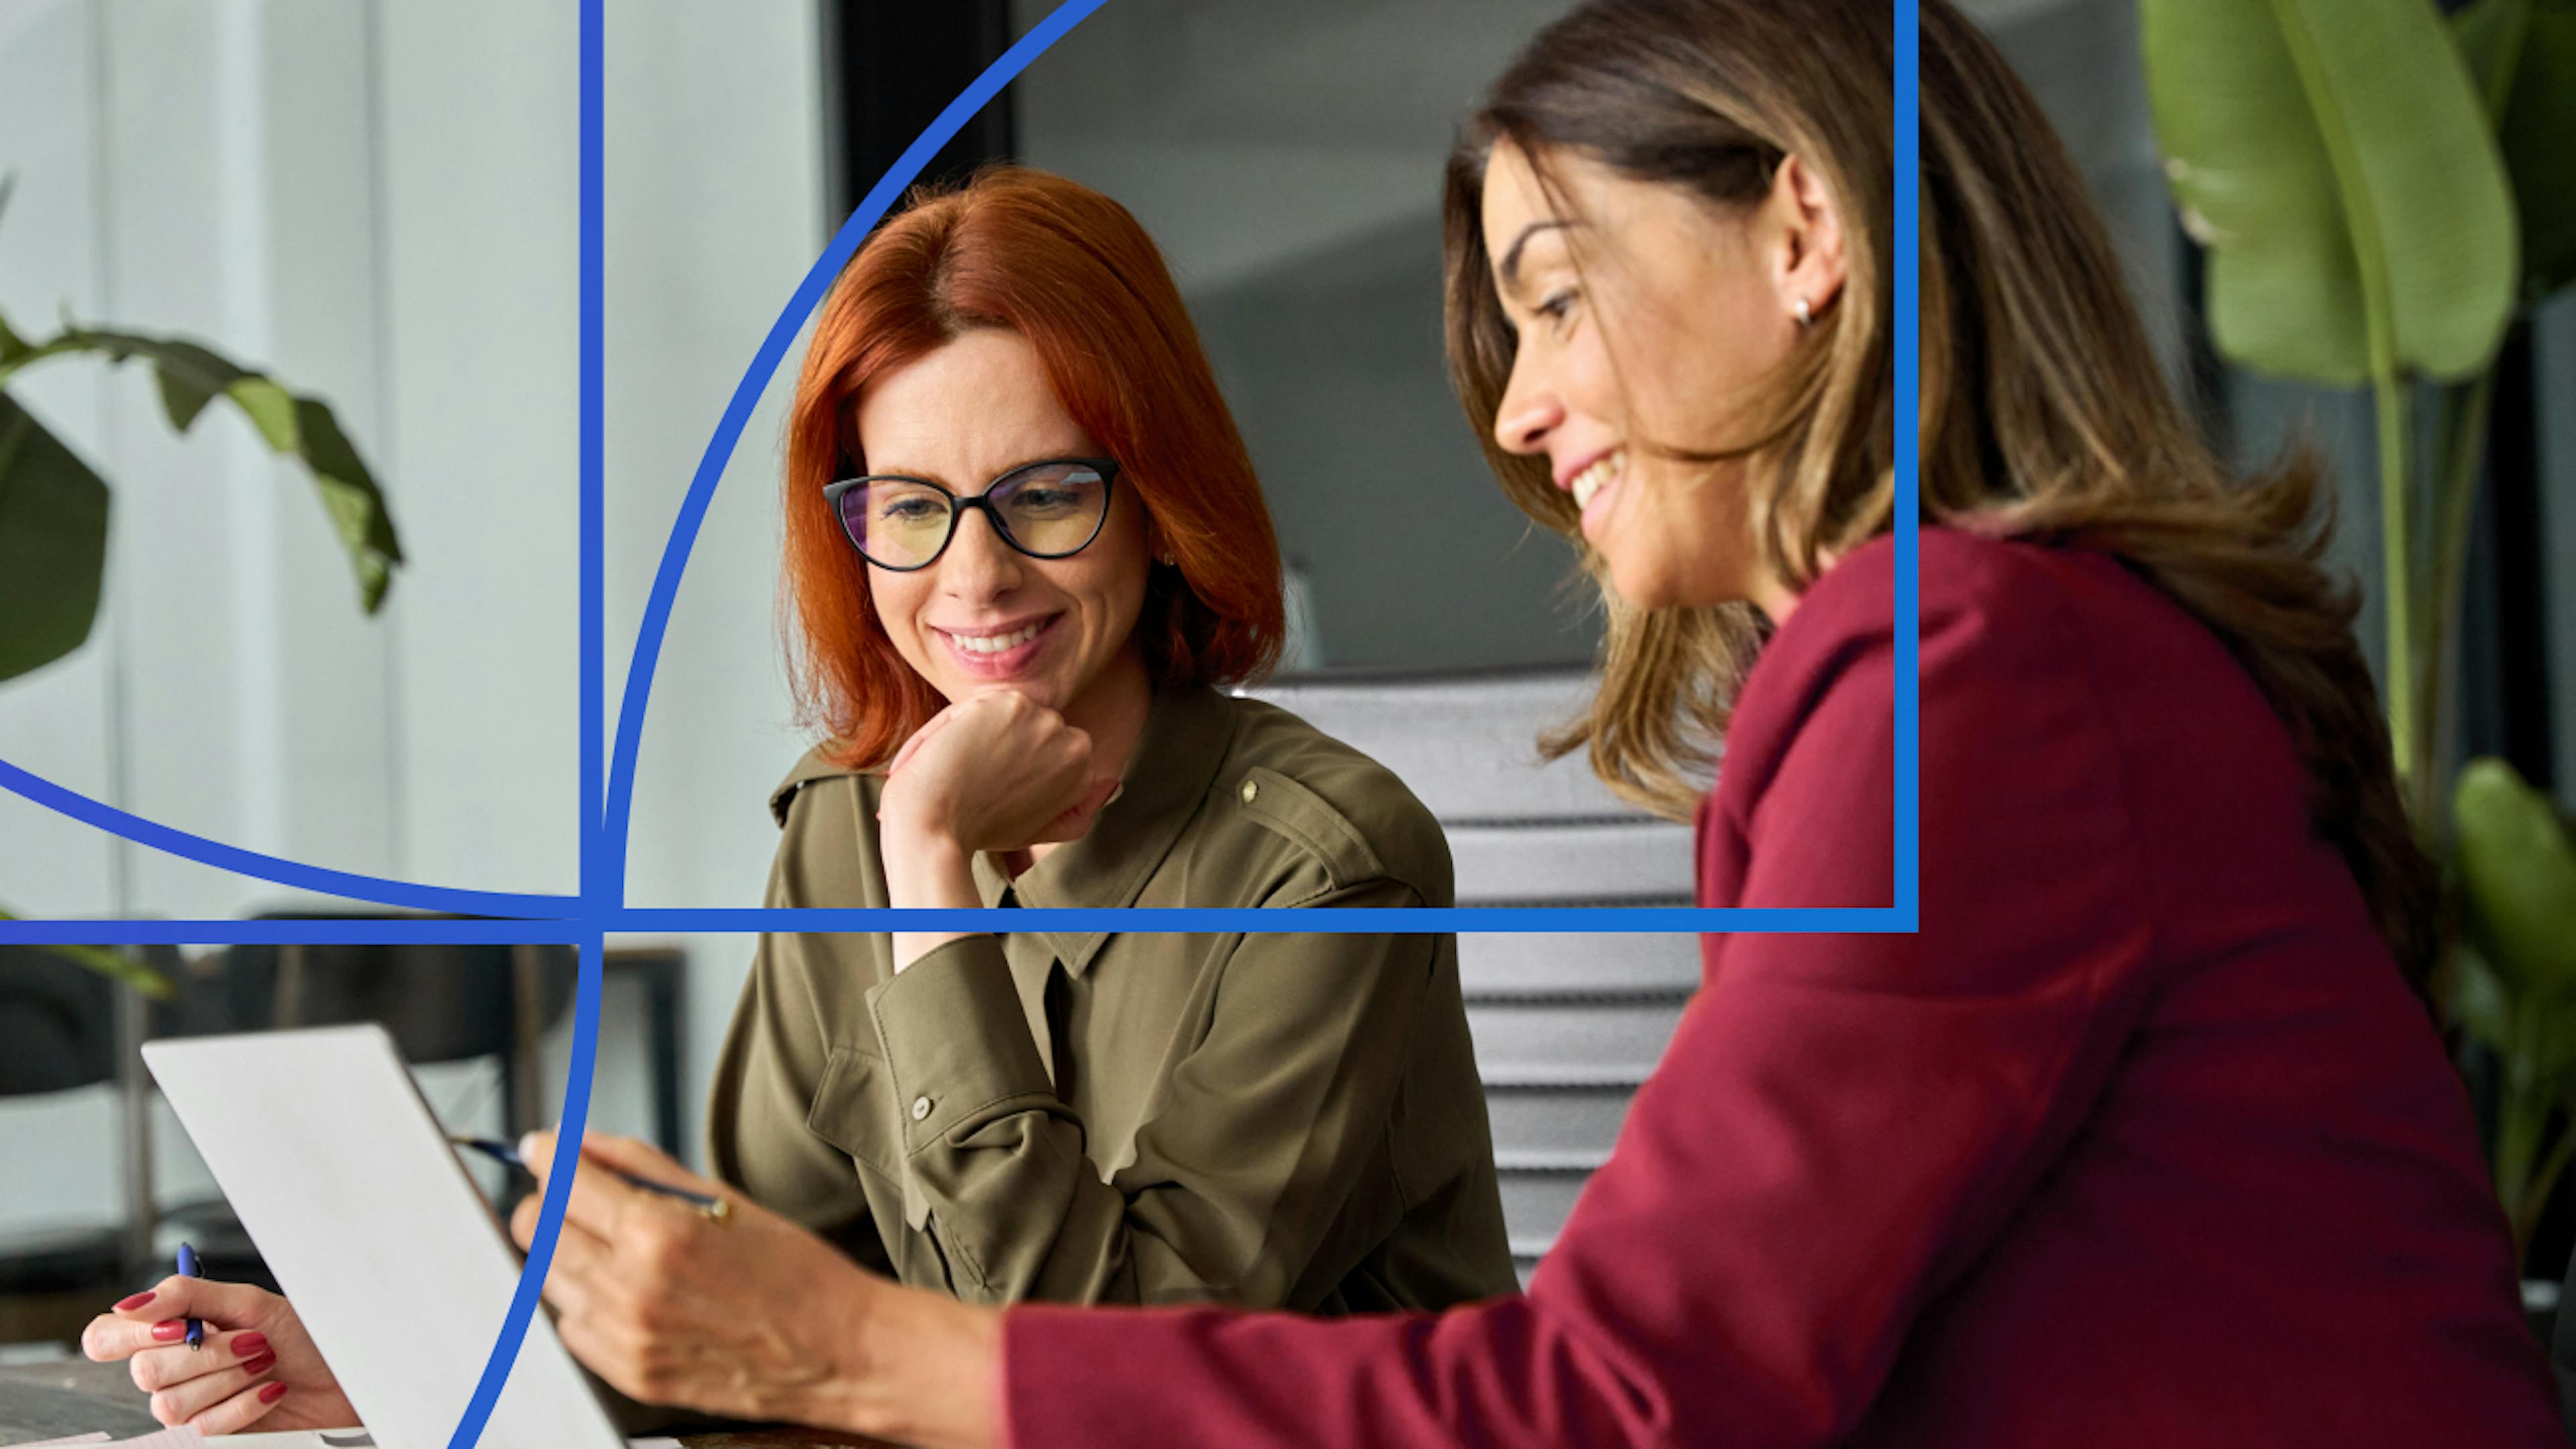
<point>2045,414</point>
<point>1074,273</point>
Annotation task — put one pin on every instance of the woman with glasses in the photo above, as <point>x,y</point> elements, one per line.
<point>1024,552</point>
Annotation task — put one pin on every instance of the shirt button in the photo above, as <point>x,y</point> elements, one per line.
<point>920,1108</point>
<point>1250,790</point>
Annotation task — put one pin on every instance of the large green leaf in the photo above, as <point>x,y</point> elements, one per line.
<point>192,376</point>
<point>2518,871</point>
<point>2333,157</point>
<point>2522,54</point>
<point>53,544</point>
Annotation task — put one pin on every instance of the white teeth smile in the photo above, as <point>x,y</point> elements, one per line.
<point>996,643</point>
<point>1597,477</point>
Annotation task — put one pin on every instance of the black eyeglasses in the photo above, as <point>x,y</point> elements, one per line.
<point>1052,509</point>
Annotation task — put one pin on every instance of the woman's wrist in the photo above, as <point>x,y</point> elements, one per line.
<point>925,869</point>
<point>915,1368</point>
<point>925,866</point>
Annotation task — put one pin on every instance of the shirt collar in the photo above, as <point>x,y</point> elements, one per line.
<point>1186,735</point>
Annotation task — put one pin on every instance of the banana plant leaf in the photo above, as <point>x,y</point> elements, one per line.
<point>2518,872</point>
<point>2334,158</point>
<point>2522,54</point>
<point>53,544</point>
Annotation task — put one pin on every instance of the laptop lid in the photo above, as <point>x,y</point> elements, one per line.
<point>390,1254</point>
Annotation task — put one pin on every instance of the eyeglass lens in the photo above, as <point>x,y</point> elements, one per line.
<point>1048,510</point>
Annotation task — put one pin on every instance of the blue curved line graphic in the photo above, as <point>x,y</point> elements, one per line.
<point>541,1248</point>
<point>737,413</point>
<point>270,868</point>
<point>597,908</point>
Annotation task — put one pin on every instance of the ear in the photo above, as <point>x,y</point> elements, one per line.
<point>1806,260</point>
<point>1157,548</point>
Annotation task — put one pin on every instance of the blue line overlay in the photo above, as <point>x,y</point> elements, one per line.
<point>1266,920</point>
<point>576,1114</point>
<point>355,931</point>
<point>1909,463</point>
<point>746,394</point>
<point>594,451</point>
<point>605,835</point>
<point>103,816</point>
<point>598,901</point>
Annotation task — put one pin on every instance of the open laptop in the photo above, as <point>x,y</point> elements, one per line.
<point>392,1257</point>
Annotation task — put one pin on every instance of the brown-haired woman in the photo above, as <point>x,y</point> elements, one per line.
<point>2145,1138</point>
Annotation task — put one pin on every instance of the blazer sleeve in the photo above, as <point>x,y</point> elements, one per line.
<point>1839,1126</point>
<point>1262,1132</point>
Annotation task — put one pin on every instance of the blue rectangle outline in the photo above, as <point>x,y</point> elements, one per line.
<point>1902,917</point>
<point>587,916</point>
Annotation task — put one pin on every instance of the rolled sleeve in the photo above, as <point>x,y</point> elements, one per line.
<point>775,1056</point>
<point>958,1044</point>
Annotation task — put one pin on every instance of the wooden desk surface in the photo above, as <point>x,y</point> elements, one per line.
<point>75,1396</point>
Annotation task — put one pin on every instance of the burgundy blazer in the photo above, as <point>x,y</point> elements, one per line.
<point>2140,1141</point>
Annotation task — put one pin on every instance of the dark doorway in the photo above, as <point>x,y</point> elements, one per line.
<point>890,67</point>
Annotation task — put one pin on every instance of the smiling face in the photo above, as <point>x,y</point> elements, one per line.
<point>1647,324</point>
<point>983,616</point>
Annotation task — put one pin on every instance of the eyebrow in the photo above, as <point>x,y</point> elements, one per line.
<point>1511,266</point>
<point>928,476</point>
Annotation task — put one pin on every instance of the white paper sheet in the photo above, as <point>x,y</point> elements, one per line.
<point>393,1260</point>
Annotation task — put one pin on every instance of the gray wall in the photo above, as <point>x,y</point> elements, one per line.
<point>378,199</point>
<point>1287,158</point>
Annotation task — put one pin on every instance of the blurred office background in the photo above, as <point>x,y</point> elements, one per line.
<point>378,200</point>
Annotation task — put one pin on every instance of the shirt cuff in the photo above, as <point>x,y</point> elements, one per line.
<point>956,1039</point>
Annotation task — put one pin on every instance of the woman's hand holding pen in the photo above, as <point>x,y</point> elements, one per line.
<point>257,1365</point>
<point>995,773</point>
<point>751,1316</point>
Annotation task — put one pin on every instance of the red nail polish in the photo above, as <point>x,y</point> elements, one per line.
<point>169,1331</point>
<point>271,1393</point>
<point>128,1305</point>
<point>249,1345</point>
<point>260,1365</point>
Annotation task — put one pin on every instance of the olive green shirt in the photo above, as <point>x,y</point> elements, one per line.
<point>1262,1120</point>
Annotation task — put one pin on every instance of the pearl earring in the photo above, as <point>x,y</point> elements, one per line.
<point>1806,313</point>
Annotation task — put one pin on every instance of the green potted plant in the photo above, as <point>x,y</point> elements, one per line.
<point>2385,189</point>
<point>54,510</point>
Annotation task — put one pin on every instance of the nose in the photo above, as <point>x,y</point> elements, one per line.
<point>1528,411</point>
<point>978,565</point>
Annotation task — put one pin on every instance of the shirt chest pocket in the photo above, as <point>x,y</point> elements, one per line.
<point>854,1110</point>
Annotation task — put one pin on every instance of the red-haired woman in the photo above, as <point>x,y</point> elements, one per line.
<point>1024,546</point>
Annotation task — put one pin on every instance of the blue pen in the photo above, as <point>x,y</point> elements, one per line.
<point>188,1269</point>
<point>715,1209</point>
